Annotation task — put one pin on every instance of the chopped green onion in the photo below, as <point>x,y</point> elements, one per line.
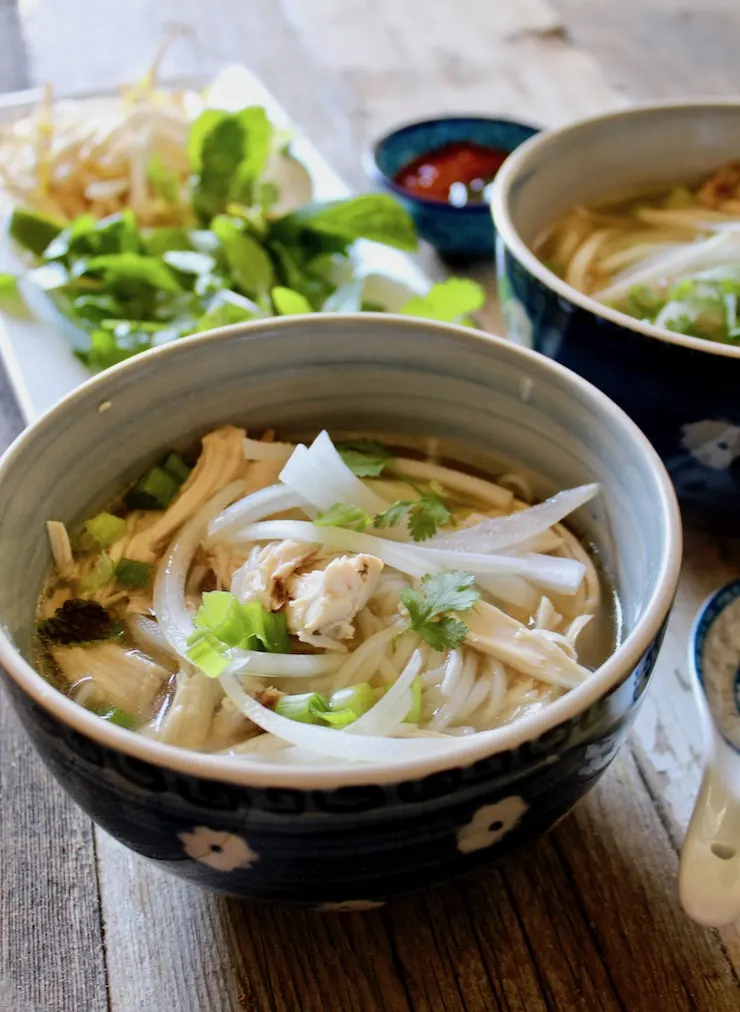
<point>207,653</point>
<point>101,531</point>
<point>222,622</point>
<point>357,698</point>
<point>100,574</point>
<point>339,718</point>
<point>132,574</point>
<point>176,466</point>
<point>155,490</point>
<point>305,707</point>
<point>116,716</point>
<point>414,714</point>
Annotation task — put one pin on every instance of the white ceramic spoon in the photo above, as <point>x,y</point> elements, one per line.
<point>709,875</point>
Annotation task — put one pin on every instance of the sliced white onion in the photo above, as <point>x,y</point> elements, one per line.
<point>329,741</point>
<point>458,481</point>
<point>401,557</point>
<point>496,533</point>
<point>391,709</point>
<point>256,449</point>
<point>562,576</point>
<point>253,662</point>
<point>321,477</point>
<point>265,502</point>
<point>169,585</point>
<point>510,589</point>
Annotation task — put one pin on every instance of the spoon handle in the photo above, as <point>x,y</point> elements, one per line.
<point>709,875</point>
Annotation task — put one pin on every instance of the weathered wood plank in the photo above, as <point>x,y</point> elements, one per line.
<point>51,951</point>
<point>620,865</point>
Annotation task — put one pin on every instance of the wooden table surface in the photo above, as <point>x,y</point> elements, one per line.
<point>587,918</point>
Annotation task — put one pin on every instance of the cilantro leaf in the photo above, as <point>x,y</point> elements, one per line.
<point>375,216</point>
<point>425,515</point>
<point>365,458</point>
<point>393,515</point>
<point>450,301</point>
<point>344,515</point>
<point>437,595</point>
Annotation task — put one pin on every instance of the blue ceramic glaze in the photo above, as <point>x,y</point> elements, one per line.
<point>682,391</point>
<point>453,231</point>
<point>339,837</point>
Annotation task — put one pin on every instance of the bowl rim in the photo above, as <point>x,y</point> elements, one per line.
<point>373,170</point>
<point>476,747</point>
<point>516,165</point>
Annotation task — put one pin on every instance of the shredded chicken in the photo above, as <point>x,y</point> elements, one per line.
<point>187,722</point>
<point>229,727</point>
<point>530,651</point>
<point>110,675</point>
<point>221,461</point>
<point>324,602</point>
<point>264,576</point>
<point>61,549</point>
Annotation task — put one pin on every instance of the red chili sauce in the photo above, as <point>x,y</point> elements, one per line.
<point>458,173</point>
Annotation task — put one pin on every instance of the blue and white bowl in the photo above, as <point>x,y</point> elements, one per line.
<point>455,232</point>
<point>682,391</point>
<point>337,836</point>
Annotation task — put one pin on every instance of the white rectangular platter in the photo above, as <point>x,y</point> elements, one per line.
<point>40,362</point>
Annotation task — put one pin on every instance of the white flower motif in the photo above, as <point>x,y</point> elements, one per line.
<point>350,905</point>
<point>714,442</point>
<point>518,325</point>
<point>218,849</point>
<point>490,823</point>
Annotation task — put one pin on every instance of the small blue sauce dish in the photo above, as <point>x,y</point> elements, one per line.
<point>419,164</point>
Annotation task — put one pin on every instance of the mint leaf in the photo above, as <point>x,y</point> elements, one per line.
<point>248,262</point>
<point>289,303</point>
<point>374,216</point>
<point>344,515</point>
<point>451,301</point>
<point>133,267</point>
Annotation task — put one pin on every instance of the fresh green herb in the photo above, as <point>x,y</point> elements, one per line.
<point>125,289</point>
<point>116,716</point>
<point>78,621</point>
<point>450,301</point>
<point>155,490</point>
<point>222,622</point>
<point>132,574</point>
<point>100,574</point>
<point>250,265</point>
<point>33,231</point>
<point>425,515</point>
<point>101,531</point>
<point>364,457</point>
<point>288,302</point>
<point>375,216</point>
<point>429,607</point>
<point>344,515</point>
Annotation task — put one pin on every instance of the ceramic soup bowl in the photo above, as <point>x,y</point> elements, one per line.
<point>358,834</point>
<point>682,391</point>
